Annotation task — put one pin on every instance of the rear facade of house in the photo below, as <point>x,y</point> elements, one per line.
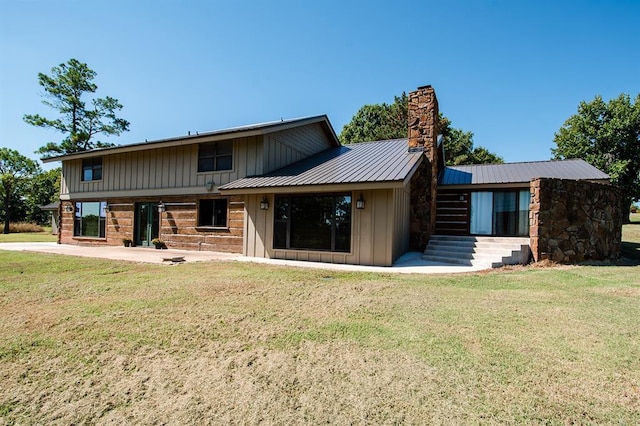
<point>290,190</point>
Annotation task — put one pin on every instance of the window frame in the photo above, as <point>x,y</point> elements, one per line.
<point>80,222</point>
<point>92,165</point>
<point>285,224</point>
<point>213,209</point>
<point>215,156</point>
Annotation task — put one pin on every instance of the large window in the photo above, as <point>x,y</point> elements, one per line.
<point>213,213</point>
<point>92,169</point>
<point>316,222</point>
<point>215,156</point>
<point>90,219</point>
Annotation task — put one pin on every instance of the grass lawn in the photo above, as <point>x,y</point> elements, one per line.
<point>29,237</point>
<point>96,341</point>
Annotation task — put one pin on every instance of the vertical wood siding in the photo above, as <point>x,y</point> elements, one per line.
<point>401,200</point>
<point>163,168</point>
<point>289,146</point>
<point>374,231</point>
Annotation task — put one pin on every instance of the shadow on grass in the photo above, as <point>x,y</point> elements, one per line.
<point>630,253</point>
<point>630,250</point>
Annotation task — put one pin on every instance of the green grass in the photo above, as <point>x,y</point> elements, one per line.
<point>97,341</point>
<point>29,237</point>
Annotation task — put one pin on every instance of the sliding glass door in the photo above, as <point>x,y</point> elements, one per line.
<point>481,213</point>
<point>504,213</point>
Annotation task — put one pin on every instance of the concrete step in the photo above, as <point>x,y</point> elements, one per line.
<point>471,250</point>
<point>466,246</point>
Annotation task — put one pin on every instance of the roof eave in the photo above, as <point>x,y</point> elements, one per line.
<point>327,187</point>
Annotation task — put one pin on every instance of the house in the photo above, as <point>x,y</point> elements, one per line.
<point>290,190</point>
<point>52,208</point>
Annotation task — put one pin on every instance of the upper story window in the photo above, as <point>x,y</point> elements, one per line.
<point>92,169</point>
<point>215,156</point>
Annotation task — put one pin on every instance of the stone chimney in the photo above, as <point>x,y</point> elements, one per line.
<point>423,122</point>
<point>423,137</point>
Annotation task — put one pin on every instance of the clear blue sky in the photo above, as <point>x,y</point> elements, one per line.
<point>509,71</point>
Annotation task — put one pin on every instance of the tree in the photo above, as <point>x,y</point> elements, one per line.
<point>64,90</point>
<point>15,171</point>
<point>459,147</point>
<point>384,121</point>
<point>43,188</point>
<point>606,135</point>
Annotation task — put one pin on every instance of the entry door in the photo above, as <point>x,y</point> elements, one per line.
<point>146,223</point>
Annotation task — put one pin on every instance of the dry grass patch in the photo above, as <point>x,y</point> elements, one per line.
<point>93,341</point>
<point>15,227</point>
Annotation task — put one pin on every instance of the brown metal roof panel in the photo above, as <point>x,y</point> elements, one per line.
<point>365,162</point>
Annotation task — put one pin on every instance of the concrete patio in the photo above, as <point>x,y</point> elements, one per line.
<point>410,263</point>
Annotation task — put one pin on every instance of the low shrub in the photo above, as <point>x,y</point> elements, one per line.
<point>17,227</point>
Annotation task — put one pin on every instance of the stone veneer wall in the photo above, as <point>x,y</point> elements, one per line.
<point>423,134</point>
<point>178,227</point>
<point>573,221</point>
<point>421,201</point>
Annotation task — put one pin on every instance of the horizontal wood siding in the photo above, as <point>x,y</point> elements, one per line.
<point>289,146</point>
<point>178,228</point>
<point>453,212</point>
<point>163,169</point>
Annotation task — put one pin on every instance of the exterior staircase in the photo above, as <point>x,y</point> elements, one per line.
<point>492,252</point>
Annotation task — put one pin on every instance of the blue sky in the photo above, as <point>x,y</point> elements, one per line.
<point>509,71</point>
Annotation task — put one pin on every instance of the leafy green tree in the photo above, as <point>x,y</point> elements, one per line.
<point>606,135</point>
<point>44,188</point>
<point>15,172</point>
<point>389,121</point>
<point>64,91</point>
<point>378,122</point>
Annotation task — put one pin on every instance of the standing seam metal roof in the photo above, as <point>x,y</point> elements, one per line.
<point>260,128</point>
<point>576,169</point>
<point>381,161</point>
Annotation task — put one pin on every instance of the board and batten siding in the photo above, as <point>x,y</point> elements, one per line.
<point>401,203</point>
<point>288,146</point>
<point>379,232</point>
<point>163,171</point>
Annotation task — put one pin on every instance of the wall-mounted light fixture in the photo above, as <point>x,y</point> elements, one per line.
<point>161,207</point>
<point>209,185</point>
<point>360,203</point>
<point>107,208</point>
<point>264,204</point>
<point>68,208</point>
